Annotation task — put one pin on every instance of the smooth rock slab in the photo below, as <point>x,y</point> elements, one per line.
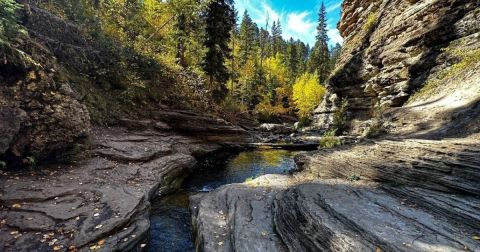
<point>335,215</point>
<point>237,217</point>
<point>102,201</point>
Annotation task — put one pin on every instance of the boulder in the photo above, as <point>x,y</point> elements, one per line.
<point>10,121</point>
<point>276,128</point>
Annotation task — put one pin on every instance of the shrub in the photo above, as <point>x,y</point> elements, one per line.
<point>340,118</point>
<point>376,128</point>
<point>266,112</point>
<point>30,161</point>
<point>371,20</point>
<point>3,165</point>
<point>354,178</point>
<point>330,140</point>
<point>231,109</point>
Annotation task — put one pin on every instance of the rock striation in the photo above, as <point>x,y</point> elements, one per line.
<point>101,202</point>
<point>392,49</point>
<point>406,195</point>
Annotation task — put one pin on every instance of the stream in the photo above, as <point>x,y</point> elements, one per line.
<point>171,228</point>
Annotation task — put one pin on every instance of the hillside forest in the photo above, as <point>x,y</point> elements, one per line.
<point>198,52</point>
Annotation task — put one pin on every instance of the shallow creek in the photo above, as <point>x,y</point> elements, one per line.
<point>171,228</point>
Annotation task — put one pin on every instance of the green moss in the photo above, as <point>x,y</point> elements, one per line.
<point>371,20</point>
<point>467,60</point>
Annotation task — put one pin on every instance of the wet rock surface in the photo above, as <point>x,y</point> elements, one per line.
<point>238,217</point>
<point>101,203</point>
<point>428,200</point>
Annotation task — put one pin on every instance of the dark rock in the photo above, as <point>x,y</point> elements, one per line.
<point>104,198</point>
<point>10,121</point>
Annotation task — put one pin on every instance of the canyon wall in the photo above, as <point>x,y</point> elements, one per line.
<point>393,49</point>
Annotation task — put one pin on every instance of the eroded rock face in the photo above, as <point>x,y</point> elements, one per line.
<point>238,217</point>
<point>41,115</point>
<point>103,200</point>
<point>391,49</point>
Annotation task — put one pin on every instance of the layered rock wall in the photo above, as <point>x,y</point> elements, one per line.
<point>392,48</point>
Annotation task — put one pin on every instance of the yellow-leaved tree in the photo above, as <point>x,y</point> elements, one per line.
<point>307,94</point>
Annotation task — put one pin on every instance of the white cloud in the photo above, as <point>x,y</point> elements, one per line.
<point>334,36</point>
<point>333,7</point>
<point>298,25</point>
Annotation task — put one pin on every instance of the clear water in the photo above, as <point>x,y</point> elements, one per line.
<point>171,220</point>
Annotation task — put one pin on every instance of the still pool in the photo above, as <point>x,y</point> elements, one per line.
<point>171,228</point>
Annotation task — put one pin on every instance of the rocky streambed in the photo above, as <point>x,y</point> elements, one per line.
<point>388,195</point>
<point>171,228</point>
<point>131,192</point>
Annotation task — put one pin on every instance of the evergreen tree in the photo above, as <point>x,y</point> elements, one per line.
<point>277,37</point>
<point>9,24</point>
<point>181,35</point>
<point>320,58</point>
<point>247,39</point>
<point>302,51</point>
<point>219,20</point>
<point>334,55</point>
<point>264,42</point>
<point>292,59</point>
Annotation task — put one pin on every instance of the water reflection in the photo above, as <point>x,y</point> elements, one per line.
<point>171,221</point>
<point>237,169</point>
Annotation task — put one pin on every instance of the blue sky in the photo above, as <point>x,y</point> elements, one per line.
<point>298,17</point>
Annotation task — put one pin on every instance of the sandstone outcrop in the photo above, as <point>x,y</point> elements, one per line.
<point>393,48</point>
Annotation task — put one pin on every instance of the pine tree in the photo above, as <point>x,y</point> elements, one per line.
<point>180,35</point>
<point>219,20</point>
<point>334,55</point>
<point>9,24</point>
<point>247,39</point>
<point>320,58</point>
<point>292,59</point>
<point>277,37</point>
<point>303,52</point>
